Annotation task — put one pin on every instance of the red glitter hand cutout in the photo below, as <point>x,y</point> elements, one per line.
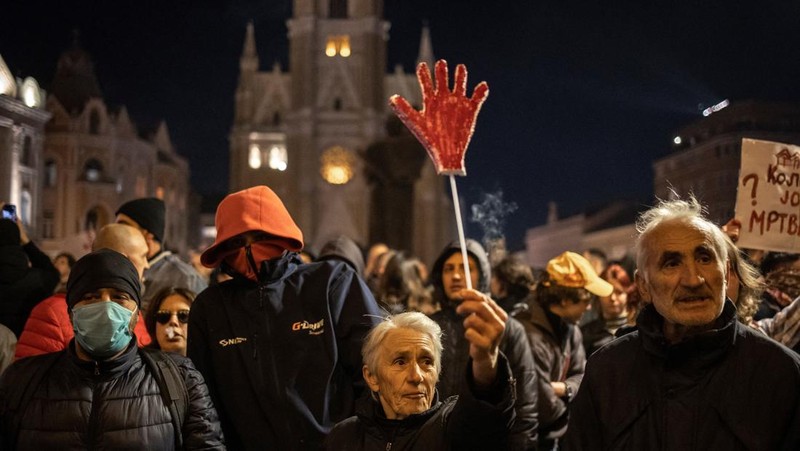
<point>447,120</point>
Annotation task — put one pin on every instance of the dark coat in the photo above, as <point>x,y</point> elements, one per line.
<point>114,404</point>
<point>559,357</point>
<point>730,388</point>
<point>478,419</point>
<point>514,345</point>
<point>21,286</point>
<point>282,359</point>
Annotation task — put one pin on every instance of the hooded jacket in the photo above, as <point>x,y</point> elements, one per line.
<point>514,345</point>
<point>281,354</point>
<point>21,286</point>
<point>729,388</point>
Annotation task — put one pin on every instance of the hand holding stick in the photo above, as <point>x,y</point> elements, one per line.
<point>485,323</point>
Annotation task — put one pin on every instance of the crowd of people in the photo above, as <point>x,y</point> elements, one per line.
<point>690,343</point>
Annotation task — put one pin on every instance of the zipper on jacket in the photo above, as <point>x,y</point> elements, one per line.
<point>96,368</point>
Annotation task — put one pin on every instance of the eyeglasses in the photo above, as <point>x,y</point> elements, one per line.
<point>163,316</point>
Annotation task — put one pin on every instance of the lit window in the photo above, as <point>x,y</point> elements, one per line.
<point>160,192</point>
<point>338,45</point>
<point>278,159</point>
<point>92,170</point>
<point>50,173</point>
<point>254,158</point>
<point>337,165</point>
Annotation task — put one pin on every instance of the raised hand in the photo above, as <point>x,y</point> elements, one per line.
<point>485,323</point>
<point>446,122</point>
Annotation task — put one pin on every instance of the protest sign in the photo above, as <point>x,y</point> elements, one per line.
<point>768,196</point>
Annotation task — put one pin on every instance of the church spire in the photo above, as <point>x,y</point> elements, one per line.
<point>249,59</point>
<point>425,48</point>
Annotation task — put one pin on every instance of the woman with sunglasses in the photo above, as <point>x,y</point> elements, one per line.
<point>167,319</point>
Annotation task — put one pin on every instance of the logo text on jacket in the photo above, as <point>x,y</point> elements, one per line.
<point>232,341</point>
<point>312,328</point>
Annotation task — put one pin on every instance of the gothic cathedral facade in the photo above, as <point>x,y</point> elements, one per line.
<point>305,132</point>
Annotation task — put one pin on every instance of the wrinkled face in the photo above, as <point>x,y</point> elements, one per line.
<point>684,275</point>
<point>172,335</point>
<point>453,274</point>
<point>615,305</point>
<point>406,376</point>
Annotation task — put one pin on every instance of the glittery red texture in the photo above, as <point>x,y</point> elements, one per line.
<point>447,120</point>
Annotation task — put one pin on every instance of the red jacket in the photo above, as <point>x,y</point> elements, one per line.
<point>49,329</point>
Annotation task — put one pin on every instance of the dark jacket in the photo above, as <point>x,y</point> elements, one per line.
<point>114,404</point>
<point>514,345</point>
<point>559,357</point>
<point>167,270</point>
<point>478,419</point>
<point>282,359</point>
<point>21,286</point>
<point>730,388</point>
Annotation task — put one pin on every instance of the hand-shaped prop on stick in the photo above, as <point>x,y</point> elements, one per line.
<point>444,126</point>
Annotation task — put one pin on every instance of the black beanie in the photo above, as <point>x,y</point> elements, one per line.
<point>9,233</point>
<point>148,212</point>
<point>103,268</point>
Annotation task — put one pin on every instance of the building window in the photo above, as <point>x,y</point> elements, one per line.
<point>337,9</point>
<point>160,192</point>
<point>337,165</point>
<point>47,224</point>
<point>276,119</point>
<point>27,152</point>
<point>338,45</point>
<point>50,173</point>
<point>337,104</point>
<point>25,210</point>
<point>92,170</point>
<point>278,158</point>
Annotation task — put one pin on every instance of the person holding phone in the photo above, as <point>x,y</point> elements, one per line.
<point>26,273</point>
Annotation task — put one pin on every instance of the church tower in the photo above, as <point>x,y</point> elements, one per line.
<point>305,132</point>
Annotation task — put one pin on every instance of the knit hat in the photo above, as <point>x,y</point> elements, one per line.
<point>149,213</point>
<point>9,233</point>
<point>254,209</point>
<point>574,271</point>
<point>102,268</point>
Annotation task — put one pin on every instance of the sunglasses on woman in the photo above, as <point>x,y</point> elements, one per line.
<point>163,316</point>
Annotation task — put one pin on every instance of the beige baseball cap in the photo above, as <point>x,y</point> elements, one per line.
<point>574,271</point>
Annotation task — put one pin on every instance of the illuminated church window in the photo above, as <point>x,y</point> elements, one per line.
<point>278,158</point>
<point>254,157</point>
<point>337,165</point>
<point>338,45</point>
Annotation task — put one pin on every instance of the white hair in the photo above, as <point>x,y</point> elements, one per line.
<point>687,211</point>
<point>409,320</point>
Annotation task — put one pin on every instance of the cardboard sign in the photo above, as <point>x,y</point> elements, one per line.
<point>768,196</point>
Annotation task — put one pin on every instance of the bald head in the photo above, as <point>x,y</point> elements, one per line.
<point>126,240</point>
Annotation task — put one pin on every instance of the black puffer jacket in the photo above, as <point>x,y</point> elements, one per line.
<point>476,420</point>
<point>729,388</point>
<point>113,404</point>
<point>514,345</point>
<point>21,286</point>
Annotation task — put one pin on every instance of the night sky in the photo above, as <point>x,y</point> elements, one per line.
<point>584,95</point>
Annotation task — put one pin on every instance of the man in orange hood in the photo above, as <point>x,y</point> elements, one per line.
<point>279,344</point>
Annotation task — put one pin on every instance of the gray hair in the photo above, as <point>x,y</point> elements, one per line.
<point>687,211</point>
<point>409,320</point>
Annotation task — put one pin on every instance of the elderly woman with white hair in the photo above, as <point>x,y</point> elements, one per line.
<point>402,362</point>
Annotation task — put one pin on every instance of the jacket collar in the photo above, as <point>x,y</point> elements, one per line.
<point>370,412</point>
<point>106,369</point>
<point>703,349</point>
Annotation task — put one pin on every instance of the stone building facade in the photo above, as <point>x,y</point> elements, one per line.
<point>305,132</point>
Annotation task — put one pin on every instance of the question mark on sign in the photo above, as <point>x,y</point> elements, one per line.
<point>755,185</point>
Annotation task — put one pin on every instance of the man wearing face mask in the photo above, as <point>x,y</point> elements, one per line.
<point>280,343</point>
<point>101,392</point>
